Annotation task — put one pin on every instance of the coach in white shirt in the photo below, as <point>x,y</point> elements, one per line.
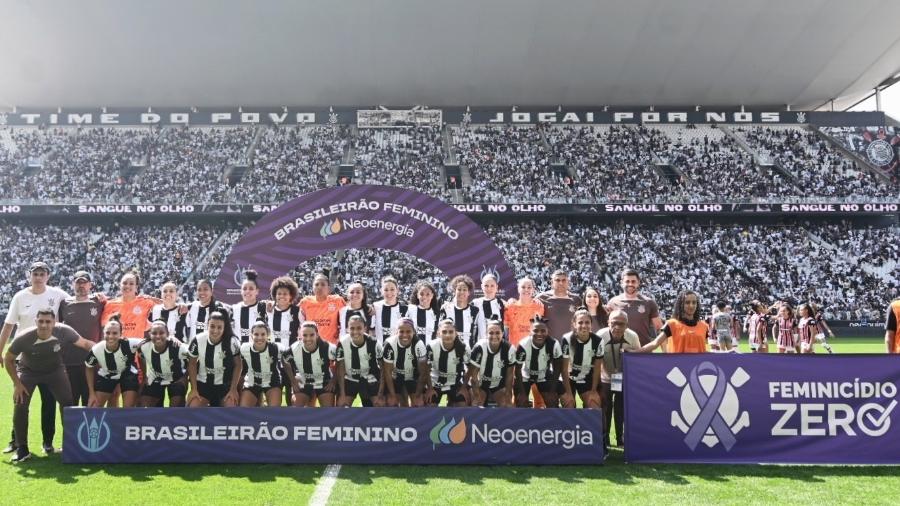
<point>22,313</point>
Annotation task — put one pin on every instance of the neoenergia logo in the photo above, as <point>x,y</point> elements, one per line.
<point>448,433</point>
<point>330,227</point>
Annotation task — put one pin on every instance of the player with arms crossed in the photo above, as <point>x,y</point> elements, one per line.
<point>446,362</point>
<point>261,367</point>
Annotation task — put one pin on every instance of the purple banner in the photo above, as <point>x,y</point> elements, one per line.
<point>363,216</point>
<point>333,436</point>
<point>733,408</point>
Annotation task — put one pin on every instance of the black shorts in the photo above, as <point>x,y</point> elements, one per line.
<point>259,391</point>
<point>158,391</point>
<point>126,382</point>
<point>486,386</point>
<point>405,387</point>
<point>544,387</point>
<point>310,391</point>
<point>364,390</point>
<point>581,388</point>
<point>213,393</point>
<point>453,395</point>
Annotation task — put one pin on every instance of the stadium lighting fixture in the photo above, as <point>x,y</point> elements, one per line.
<point>149,109</point>
<point>58,109</point>
<point>605,108</point>
<point>697,108</point>
<point>193,108</point>
<point>284,108</point>
<point>240,109</point>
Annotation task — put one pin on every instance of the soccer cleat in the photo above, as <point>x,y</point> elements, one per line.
<point>22,454</point>
<point>11,447</point>
<point>48,448</point>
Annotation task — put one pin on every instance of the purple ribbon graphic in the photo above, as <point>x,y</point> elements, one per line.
<point>709,408</point>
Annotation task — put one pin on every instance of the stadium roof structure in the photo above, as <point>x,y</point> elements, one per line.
<point>462,52</point>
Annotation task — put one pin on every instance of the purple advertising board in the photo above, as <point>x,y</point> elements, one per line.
<point>748,408</point>
<point>333,436</point>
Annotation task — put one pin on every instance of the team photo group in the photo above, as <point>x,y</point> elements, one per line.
<point>277,348</point>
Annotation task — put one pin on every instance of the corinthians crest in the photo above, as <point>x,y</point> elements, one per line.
<point>709,409</point>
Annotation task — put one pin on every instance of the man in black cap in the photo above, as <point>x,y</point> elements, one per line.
<point>82,312</point>
<point>22,312</point>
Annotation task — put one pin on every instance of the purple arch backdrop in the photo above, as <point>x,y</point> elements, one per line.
<point>363,216</point>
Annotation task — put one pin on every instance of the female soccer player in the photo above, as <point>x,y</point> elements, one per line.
<point>785,330</point>
<point>215,364</point>
<point>467,318</point>
<point>358,371</point>
<point>261,368</point>
<point>110,364</point>
<point>308,365</point>
<point>540,361</point>
<point>685,332</point>
<point>806,328</point>
<point>388,311</point>
<point>245,313</point>
<point>582,350</point>
<point>357,304</point>
<point>284,316</point>
<point>169,311</point>
<point>404,366</point>
<point>758,327</point>
<point>490,305</point>
<point>519,313</point>
<point>200,309</point>
<point>424,310</point>
<point>132,307</point>
<point>492,368</point>
<point>594,303</point>
<point>446,366</point>
<point>822,327</point>
<point>323,307</point>
<point>162,364</point>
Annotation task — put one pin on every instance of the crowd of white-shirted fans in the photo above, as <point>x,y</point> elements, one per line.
<point>849,270</point>
<point>507,163</point>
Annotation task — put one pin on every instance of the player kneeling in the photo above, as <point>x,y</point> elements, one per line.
<point>262,368</point>
<point>492,368</point>
<point>113,361</point>
<point>540,361</point>
<point>582,350</point>
<point>404,366</point>
<point>308,364</point>
<point>162,362</point>
<point>358,360</point>
<point>446,362</point>
<point>215,378</point>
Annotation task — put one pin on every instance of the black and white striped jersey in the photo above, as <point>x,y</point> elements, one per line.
<point>261,368</point>
<point>113,364</point>
<point>426,323</point>
<point>285,325</point>
<point>198,315</point>
<point>243,317</point>
<point>447,366</point>
<point>215,361</point>
<point>404,359</point>
<point>385,318</point>
<point>469,321</point>
<point>490,308</point>
<point>360,362</point>
<point>581,355</point>
<point>346,312</point>
<point>492,365</point>
<point>175,321</point>
<point>312,368</point>
<point>536,362</point>
<point>165,366</point>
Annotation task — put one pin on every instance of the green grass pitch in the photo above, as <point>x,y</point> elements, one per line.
<point>45,480</point>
